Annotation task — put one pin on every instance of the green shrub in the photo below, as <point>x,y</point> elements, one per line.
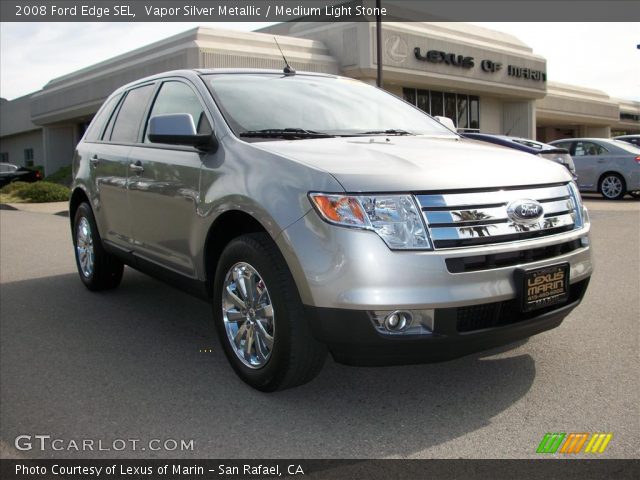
<point>40,192</point>
<point>62,176</point>
<point>13,187</point>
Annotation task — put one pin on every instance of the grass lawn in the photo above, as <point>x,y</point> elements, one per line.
<point>10,198</point>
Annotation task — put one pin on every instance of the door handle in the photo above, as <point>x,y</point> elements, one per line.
<point>602,161</point>
<point>136,167</point>
<point>94,161</point>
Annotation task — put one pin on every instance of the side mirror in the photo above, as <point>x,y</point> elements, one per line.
<point>447,122</point>
<point>179,129</point>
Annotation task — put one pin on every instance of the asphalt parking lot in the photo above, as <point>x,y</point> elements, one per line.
<point>143,362</point>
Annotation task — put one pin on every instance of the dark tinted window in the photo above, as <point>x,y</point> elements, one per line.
<point>474,112</point>
<point>177,97</point>
<point>423,100</point>
<point>463,112</point>
<point>96,128</point>
<point>409,95</point>
<point>450,106</point>
<point>130,115</point>
<point>437,104</point>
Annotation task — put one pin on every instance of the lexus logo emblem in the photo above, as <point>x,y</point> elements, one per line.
<point>396,48</point>
<point>525,211</point>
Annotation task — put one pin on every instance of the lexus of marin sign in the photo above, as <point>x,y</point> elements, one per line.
<point>397,51</point>
<point>466,62</point>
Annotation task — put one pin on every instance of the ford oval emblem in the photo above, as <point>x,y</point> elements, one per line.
<point>525,211</point>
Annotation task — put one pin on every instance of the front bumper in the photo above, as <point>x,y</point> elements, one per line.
<point>342,268</point>
<point>353,340</point>
<point>344,275</point>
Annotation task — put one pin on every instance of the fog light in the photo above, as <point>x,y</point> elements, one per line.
<point>398,321</point>
<point>403,322</point>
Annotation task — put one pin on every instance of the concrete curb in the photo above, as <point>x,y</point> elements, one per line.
<point>53,208</point>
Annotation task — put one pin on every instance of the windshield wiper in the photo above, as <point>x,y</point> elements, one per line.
<point>286,133</point>
<point>389,131</point>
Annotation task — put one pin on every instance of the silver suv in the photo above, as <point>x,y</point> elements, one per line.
<point>320,214</point>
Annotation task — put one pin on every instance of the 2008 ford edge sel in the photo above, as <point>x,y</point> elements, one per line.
<point>321,214</point>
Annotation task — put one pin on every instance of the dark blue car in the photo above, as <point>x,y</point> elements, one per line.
<point>550,152</point>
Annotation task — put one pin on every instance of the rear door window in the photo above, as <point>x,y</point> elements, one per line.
<point>584,149</point>
<point>127,124</point>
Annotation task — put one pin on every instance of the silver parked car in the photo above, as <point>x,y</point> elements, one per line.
<point>609,167</point>
<point>632,139</point>
<point>320,214</point>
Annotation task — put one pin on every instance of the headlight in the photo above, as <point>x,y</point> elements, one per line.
<point>582,216</point>
<point>395,218</point>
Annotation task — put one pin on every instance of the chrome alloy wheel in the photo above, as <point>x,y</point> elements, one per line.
<point>611,186</point>
<point>248,315</point>
<point>84,247</point>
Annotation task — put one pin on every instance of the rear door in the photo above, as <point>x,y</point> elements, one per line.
<point>109,166</point>
<point>164,182</point>
<point>588,157</point>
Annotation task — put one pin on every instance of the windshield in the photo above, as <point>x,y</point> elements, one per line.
<point>264,103</point>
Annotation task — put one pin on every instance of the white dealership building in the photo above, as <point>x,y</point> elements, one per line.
<point>484,80</point>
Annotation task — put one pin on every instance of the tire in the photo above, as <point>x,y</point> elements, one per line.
<point>635,193</point>
<point>612,186</point>
<point>100,270</point>
<point>274,348</point>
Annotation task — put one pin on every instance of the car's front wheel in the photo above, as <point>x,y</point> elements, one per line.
<point>98,269</point>
<point>612,186</point>
<point>259,317</point>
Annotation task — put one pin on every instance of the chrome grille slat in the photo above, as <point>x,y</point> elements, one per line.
<point>480,218</point>
<point>487,215</point>
<point>499,229</point>
<point>493,197</point>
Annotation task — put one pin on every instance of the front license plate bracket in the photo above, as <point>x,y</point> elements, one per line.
<point>543,287</point>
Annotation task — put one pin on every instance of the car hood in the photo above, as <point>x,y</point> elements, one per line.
<point>417,163</point>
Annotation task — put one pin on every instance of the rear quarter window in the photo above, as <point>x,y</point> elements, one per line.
<point>96,129</point>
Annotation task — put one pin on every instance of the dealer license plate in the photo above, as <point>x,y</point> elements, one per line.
<point>543,287</point>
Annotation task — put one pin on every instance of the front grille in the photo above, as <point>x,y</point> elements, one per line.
<point>489,315</point>
<point>464,219</point>
<point>508,259</point>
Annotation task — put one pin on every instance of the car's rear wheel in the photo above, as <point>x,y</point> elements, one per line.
<point>259,317</point>
<point>612,186</point>
<point>98,269</point>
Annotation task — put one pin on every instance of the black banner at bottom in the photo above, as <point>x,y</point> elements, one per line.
<point>29,469</point>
